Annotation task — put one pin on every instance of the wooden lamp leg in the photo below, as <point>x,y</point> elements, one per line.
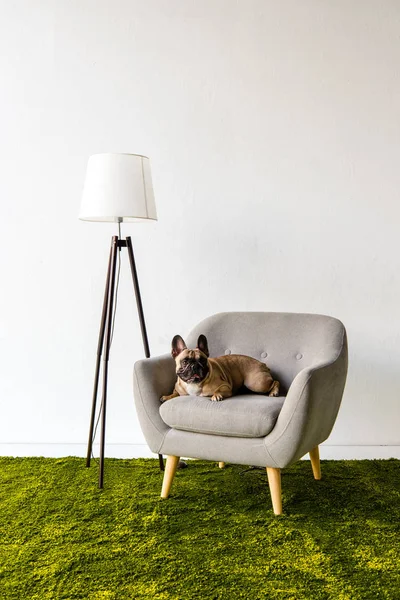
<point>274,480</point>
<point>169,474</point>
<point>316,466</point>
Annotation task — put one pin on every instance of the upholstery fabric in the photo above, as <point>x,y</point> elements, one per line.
<point>286,342</point>
<point>153,377</point>
<point>247,415</point>
<point>306,353</point>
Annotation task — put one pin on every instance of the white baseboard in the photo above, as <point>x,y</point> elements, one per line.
<point>358,452</point>
<point>142,451</point>
<point>60,450</point>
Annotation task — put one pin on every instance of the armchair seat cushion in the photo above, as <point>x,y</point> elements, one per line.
<point>247,415</point>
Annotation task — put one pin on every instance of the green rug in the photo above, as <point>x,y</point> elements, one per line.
<point>215,538</point>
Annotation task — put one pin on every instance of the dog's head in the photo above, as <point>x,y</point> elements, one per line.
<point>191,365</point>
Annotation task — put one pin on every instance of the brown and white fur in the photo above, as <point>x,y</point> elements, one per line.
<point>217,378</point>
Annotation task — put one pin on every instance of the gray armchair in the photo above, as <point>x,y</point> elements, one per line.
<point>306,353</point>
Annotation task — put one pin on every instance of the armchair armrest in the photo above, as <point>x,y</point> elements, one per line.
<point>309,411</point>
<point>152,378</point>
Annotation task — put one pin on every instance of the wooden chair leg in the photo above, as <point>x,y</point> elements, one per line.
<point>316,466</point>
<point>169,474</point>
<point>274,480</point>
<point>221,465</point>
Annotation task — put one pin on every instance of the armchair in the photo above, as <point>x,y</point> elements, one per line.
<point>306,353</point>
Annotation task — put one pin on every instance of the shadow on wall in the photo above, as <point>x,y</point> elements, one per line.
<point>369,410</point>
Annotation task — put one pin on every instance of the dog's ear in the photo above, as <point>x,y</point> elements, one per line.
<point>202,344</point>
<point>178,346</point>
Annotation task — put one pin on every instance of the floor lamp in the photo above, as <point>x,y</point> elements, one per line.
<point>117,189</point>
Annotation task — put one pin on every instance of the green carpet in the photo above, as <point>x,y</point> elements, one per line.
<point>215,538</point>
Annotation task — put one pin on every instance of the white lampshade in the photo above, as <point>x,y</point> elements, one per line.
<point>118,188</point>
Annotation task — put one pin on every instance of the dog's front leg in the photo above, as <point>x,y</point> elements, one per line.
<point>223,391</point>
<point>174,394</point>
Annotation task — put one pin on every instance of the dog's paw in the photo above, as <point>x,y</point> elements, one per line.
<point>217,397</point>
<point>165,398</point>
<point>275,390</point>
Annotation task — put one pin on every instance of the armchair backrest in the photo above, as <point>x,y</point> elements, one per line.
<point>286,342</point>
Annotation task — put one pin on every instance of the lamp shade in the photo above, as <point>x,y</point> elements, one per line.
<point>118,188</point>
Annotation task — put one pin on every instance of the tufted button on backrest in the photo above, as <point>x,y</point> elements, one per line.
<point>294,340</point>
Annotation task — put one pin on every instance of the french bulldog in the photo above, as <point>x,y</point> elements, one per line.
<point>217,378</point>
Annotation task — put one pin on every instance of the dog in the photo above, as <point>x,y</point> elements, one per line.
<point>217,378</point>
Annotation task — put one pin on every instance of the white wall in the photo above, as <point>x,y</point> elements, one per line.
<point>273,131</point>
